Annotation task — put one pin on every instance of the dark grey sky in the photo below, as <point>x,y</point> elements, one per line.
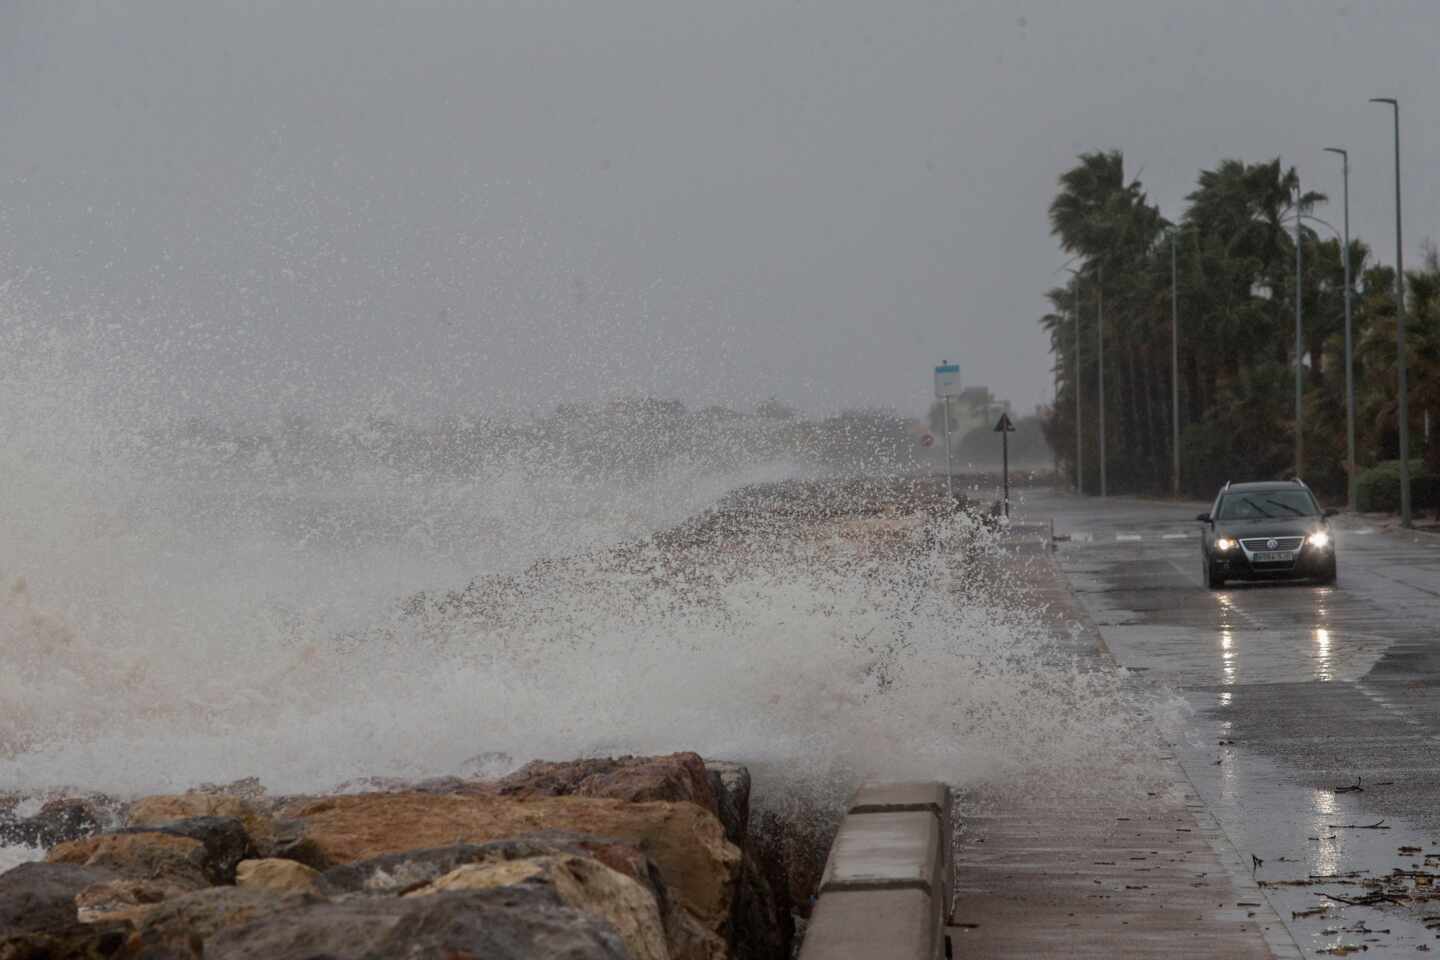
<point>462,205</point>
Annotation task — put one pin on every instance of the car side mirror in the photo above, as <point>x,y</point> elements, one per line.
<point>1331,512</point>
<point>1203,518</point>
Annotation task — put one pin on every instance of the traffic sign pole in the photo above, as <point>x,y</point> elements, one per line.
<point>947,385</point>
<point>1005,428</point>
<point>949,470</point>
<point>1005,466</point>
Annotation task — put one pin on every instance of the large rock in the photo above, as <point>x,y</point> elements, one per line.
<point>79,941</point>
<point>41,896</point>
<point>159,857</point>
<point>225,840</point>
<point>399,873</point>
<point>580,882</point>
<point>277,876</point>
<point>290,843</point>
<point>163,809</point>
<point>507,923</point>
<point>190,921</point>
<point>125,899</point>
<point>676,777</point>
<point>687,843</point>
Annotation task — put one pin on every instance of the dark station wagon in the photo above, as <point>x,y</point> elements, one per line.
<point>1273,530</point>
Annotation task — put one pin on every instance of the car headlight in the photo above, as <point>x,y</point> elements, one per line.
<point>1224,544</point>
<point>1320,539</point>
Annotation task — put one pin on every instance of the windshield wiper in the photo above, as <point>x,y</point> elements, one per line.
<point>1263,511</point>
<point>1286,506</point>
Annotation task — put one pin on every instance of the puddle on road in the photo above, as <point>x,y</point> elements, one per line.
<point>1228,656</point>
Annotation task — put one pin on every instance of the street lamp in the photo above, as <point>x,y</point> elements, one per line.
<point>1299,346</point>
<point>1404,400</point>
<point>1100,349</point>
<point>1349,356</point>
<point>1174,371</point>
<point>1079,446</point>
<point>1079,449</point>
<point>1299,341</point>
<point>1299,334</point>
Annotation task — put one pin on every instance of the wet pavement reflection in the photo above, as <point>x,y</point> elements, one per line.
<point>1314,732</point>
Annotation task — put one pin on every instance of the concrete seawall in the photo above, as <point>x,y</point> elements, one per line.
<point>887,883</point>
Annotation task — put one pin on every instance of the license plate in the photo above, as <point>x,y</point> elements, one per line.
<point>1278,556</point>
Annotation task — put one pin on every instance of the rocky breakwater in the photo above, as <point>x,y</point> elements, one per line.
<point>645,858</point>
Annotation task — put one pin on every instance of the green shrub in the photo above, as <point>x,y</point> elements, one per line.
<point>1378,489</point>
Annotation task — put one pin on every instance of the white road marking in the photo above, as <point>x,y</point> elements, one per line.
<point>1125,537</point>
<point>1176,536</point>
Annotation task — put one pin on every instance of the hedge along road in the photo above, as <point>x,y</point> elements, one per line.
<point>1310,759</point>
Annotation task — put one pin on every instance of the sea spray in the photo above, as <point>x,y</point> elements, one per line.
<point>309,602</point>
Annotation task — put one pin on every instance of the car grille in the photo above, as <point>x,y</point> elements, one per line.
<point>1281,543</point>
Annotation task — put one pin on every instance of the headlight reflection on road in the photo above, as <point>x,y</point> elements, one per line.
<point>1227,656</point>
<point>1322,653</point>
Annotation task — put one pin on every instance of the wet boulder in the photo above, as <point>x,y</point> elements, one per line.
<point>189,922</point>
<point>124,899</point>
<point>399,873</point>
<point>580,882</point>
<point>289,842</point>
<point>687,843</point>
<point>225,841</point>
<point>178,861</point>
<point>78,941</point>
<point>164,809</point>
<point>277,876</point>
<point>505,923</point>
<point>41,896</point>
<point>673,778</point>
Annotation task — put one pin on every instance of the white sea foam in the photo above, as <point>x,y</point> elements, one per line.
<point>179,607</point>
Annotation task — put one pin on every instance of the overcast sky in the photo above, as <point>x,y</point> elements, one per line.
<point>510,204</point>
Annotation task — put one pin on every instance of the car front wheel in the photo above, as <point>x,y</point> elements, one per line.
<point>1208,575</point>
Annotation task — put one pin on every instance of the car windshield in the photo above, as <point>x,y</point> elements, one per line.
<point>1267,503</point>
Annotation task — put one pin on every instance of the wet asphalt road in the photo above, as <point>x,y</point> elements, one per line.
<point>1313,712</point>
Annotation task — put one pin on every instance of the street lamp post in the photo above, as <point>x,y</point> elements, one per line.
<point>1174,372</point>
<point>1100,339</point>
<point>1404,399</point>
<point>1079,449</point>
<point>1299,343</point>
<point>1349,354</point>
